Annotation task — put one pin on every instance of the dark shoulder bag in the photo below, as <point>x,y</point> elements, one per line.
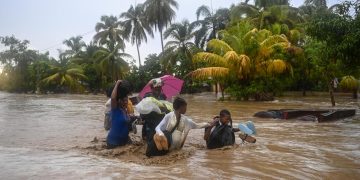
<point>152,150</point>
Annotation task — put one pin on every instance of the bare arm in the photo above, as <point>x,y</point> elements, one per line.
<point>114,102</point>
<point>235,129</point>
<point>208,130</point>
<point>194,125</point>
<point>207,133</point>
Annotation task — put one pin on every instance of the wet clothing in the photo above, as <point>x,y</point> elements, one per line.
<point>221,135</point>
<point>130,108</point>
<point>151,149</point>
<point>107,113</point>
<point>119,131</point>
<point>178,137</point>
<point>152,119</point>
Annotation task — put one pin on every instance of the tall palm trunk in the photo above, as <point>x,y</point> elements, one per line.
<point>137,47</point>
<point>112,70</point>
<point>214,30</point>
<point>161,38</point>
<point>216,88</point>
<point>261,20</point>
<point>222,91</point>
<point>112,60</point>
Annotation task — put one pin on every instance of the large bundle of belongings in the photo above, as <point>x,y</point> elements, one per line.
<point>152,111</point>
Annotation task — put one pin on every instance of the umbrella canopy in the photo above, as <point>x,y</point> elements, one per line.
<point>171,86</point>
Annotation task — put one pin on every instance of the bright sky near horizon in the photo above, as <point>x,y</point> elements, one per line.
<point>46,23</point>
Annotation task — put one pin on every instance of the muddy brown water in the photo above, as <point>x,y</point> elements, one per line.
<point>49,137</point>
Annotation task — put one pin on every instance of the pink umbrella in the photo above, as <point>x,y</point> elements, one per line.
<point>171,86</point>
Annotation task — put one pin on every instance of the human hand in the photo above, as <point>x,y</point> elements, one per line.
<point>118,81</point>
<point>214,121</point>
<point>160,134</point>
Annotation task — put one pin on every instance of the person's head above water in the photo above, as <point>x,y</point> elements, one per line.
<point>156,86</point>
<point>124,89</point>
<point>225,117</point>
<point>180,105</point>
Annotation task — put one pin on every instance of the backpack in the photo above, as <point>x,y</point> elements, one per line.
<point>221,136</point>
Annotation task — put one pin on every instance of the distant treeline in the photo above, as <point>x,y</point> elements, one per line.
<point>253,51</point>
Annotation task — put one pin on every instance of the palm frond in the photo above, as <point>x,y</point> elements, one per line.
<point>231,57</point>
<point>245,66</point>
<point>76,72</point>
<point>276,66</point>
<point>349,83</point>
<point>62,80</point>
<point>278,40</point>
<point>210,72</point>
<point>218,46</point>
<point>51,78</point>
<point>209,58</point>
<point>203,11</point>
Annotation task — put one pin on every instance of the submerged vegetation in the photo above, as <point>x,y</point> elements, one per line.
<point>253,51</point>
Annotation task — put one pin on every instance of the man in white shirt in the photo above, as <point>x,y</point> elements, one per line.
<point>172,131</point>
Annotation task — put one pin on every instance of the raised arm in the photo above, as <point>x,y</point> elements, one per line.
<point>208,129</point>
<point>114,103</point>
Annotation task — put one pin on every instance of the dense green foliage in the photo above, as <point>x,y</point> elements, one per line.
<point>253,51</point>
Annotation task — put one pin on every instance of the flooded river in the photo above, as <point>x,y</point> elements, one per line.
<point>48,137</point>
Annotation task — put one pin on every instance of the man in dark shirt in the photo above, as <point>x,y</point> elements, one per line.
<point>152,119</point>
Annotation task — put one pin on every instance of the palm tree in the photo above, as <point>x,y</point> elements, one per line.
<point>113,62</point>
<point>160,14</point>
<point>109,33</point>
<point>351,84</point>
<point>180,48</point>
<point>87,56</point>
<point>210,24</point>
<point>243,11</point>
<point>280,18</point>
<point>75,44</point>
<point>65,74</point>
<point>87,60</point>
<point>135,24</point>
<point>242,57</point>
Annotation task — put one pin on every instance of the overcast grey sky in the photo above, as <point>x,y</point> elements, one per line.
<point>46,23</point>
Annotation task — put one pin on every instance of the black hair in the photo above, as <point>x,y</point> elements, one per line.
<point>179,102</point>
<point>225,112</point>
<point>124,89</point>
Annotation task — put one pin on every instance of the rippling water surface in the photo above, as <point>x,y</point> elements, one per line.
<point>38,134</point>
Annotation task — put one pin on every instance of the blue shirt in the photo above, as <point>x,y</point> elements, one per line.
<point>119,131</point>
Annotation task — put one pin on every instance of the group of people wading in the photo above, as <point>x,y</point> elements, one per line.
<point>165,127</point>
